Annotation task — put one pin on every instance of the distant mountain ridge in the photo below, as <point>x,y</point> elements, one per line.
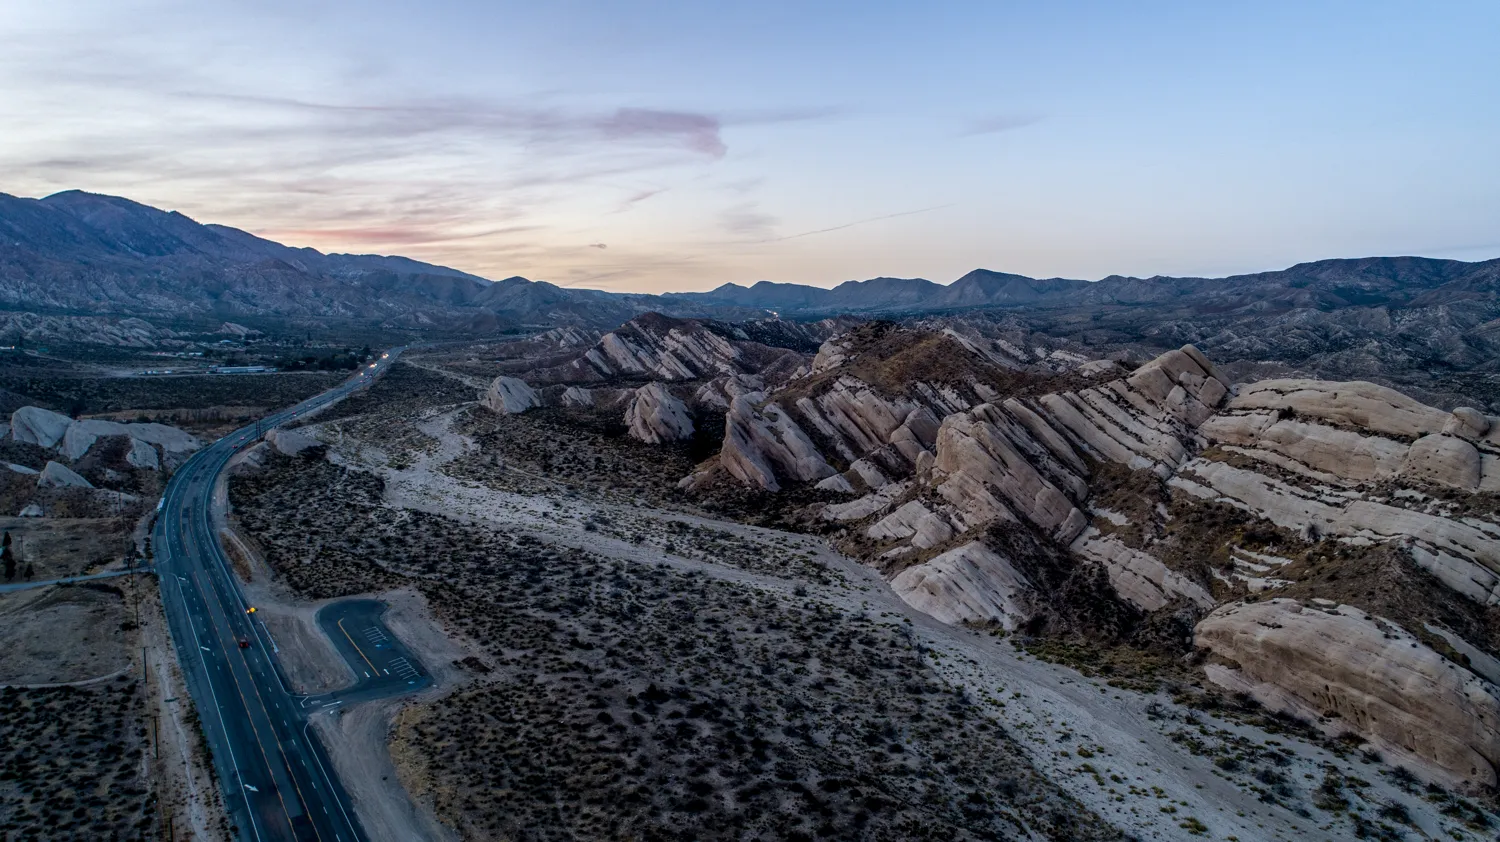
<point>83,254</point>
<point>1388,281</point>
<point>76,252</point>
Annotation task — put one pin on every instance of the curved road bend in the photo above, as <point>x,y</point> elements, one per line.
<point>278,781</point>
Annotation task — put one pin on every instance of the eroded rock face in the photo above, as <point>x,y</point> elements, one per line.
<point>914,521</point>
<point>969,584</point>
<point>761,442</point>
<point>655,416</point>
<point>1444,460</point>
<point>58,475</point>
<point>577,396</point>
<point>666,348</point>
<point>1355,404</point>
<point>1380,680</point>
<point>83,434</point>
<point>510,396</point>
<point>42,427</point>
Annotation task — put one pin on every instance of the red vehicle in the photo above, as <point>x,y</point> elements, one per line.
<point>244,644</point>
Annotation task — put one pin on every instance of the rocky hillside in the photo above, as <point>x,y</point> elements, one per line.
<point>53,464</point>
<point>1331,549</point>
<point>1426,326</point>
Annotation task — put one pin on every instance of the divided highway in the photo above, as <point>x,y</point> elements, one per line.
<point>277,779</point>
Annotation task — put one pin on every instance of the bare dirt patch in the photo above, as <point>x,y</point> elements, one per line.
<point>63,633</point>
<point>58,547</point>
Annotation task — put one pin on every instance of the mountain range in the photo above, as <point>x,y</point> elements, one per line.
<point>77,254</point>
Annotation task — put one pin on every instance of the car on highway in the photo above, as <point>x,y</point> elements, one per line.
<point>244,644</point>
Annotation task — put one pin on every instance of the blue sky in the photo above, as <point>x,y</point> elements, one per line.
<point>661,145</point>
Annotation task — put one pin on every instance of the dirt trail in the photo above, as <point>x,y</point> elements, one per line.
<point>466,379</point>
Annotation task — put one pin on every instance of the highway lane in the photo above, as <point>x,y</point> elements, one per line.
<point>277,779</point>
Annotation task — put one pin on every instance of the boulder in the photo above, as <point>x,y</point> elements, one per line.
<point>57,475</point>
<point>1468,423</point>
<point>21,469</point>
<point>143,455</point>
<point>32,510</point>
<point>1445,460</point>
<point>1381,682</point>
<point>969,584</point>
<point>510,396</point>
<point>655,416</point>
<point>42,427</point>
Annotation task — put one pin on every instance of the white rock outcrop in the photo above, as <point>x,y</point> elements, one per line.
<point>72,439</point>
<point>1380,681</point>
<point>762,441</point>
<point>1352,404</point>
<point>58,475</point>
<point>510,396</point>
<point>968,584</point>
<point>577,396</point>
<point>656,346</point>
<point>914,521</point>
<point>655,416</point>
<point>290,442</point>
<point>1139,578</point>
<point>82,435</point>
<point>41,427</point>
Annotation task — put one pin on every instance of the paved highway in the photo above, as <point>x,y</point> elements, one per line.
<point>278,782</point>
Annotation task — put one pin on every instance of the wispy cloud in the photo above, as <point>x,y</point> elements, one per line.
<point>854,223</point>
<point>497,185</point>
<point>999,123</point>
<point>748,221</point>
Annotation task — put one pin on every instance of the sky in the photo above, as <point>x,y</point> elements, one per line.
<point>657,146</point>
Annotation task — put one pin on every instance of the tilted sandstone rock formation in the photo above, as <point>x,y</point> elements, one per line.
<point>1185,493</point>
<point>58,475</point>
<point>762,442</point>
<point>655,416</point>
<point>668,349</point>
<point>1379,680</point>
<point>577,396</point>
<point>509,396</point>
<point>968,584</point>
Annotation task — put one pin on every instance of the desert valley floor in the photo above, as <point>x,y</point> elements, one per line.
<point>622,663</point>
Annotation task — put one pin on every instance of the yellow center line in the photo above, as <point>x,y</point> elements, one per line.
<point>246,702</point>
<point>356,648</point>
<point>290,773</point>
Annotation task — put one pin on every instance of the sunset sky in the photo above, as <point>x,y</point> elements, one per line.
<point>656,146</point>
